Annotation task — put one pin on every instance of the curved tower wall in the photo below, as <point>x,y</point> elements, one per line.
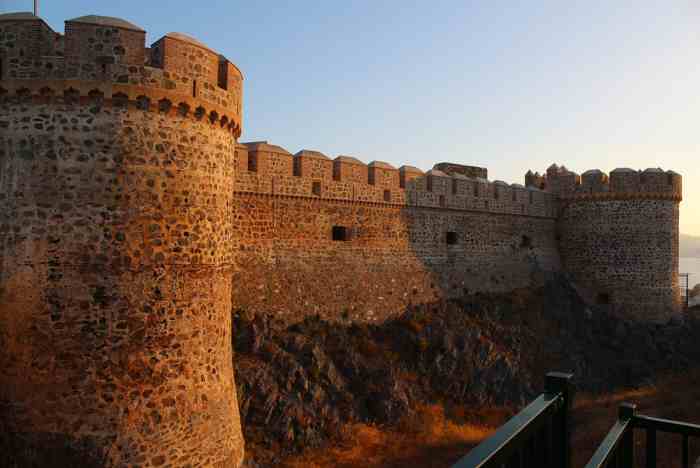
<point>618,238</point>
<point>115,274</point>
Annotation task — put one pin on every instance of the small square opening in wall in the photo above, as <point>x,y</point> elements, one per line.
<point>340,233</point>
<point>316,188</point>
<point>603,298</point>
<point>387,195</point>
<point>451,237</point>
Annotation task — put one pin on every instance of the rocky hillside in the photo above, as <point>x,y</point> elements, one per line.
<point>299,385</point>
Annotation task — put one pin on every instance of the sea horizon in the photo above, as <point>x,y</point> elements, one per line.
<point>690,265</point>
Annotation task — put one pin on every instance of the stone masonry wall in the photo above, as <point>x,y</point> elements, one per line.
<point>626,252</point>
<point>288,264</point>
<point>115,285</point>
<point>619,236</point>
<point>99,57</point>
<point>90,46</point>
<point>272,173</point>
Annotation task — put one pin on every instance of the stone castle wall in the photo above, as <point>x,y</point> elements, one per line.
<point>393,256</point>
<point>267,169</point>
<point>110,58</point>
<point>625,250</point>
<point>116,261</point>
<point>116,283</point>
<point>397,222</point>
<point>618,237</point>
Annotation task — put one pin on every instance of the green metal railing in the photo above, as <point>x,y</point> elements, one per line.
<point>617,450</point>
<point>538,436</point>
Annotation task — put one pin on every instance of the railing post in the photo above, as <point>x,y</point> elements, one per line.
<point>561,383</point>
<point>651,447</point>
<point>626,412</point>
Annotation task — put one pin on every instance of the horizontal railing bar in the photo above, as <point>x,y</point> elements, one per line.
<point>607,449</point>
<point>666,425</point>
<point>500,444</point>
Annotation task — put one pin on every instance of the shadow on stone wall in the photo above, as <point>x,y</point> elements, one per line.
<point>41,450</point>
<point>366,262</point>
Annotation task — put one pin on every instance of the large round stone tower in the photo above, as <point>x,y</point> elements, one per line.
<point>116,174</point>
<point>618,238</point>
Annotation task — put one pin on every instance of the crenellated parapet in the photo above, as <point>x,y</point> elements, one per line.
<point>107,58</point>
<point>621,184</point>
<point>267,169</point>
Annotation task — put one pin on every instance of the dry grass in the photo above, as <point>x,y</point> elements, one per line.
<point>673,397</point>
<point>426,439</point>
<point>432,439</point>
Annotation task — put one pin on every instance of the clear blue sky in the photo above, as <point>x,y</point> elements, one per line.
<point>512,87</point>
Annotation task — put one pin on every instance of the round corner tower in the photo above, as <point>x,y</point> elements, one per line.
<point>619,239</point>
<point>116,175</point>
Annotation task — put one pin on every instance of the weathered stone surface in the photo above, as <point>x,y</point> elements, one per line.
<point>626,251</point>
<point>395,256</point>
<point>619,237</point>
<point>115,288</point>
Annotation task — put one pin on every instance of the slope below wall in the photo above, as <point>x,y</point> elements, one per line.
<point>288,264</point>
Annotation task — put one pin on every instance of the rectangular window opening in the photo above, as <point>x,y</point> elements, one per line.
<point>515,195</point>
<point>531,197</point>
<point>316,188</point>
<point>336,171</point>
<point>603,298</point>
<point>451,238</point>
<point>387,195</point>
<point>430,184</point>
<point>476,190</point>
<point>194,88</point>
<point>454,186</point>
<point>252,163</point>
<point>442,201</point>
<point>340,233</point>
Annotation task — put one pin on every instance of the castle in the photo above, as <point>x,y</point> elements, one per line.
<point>132,221</point>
